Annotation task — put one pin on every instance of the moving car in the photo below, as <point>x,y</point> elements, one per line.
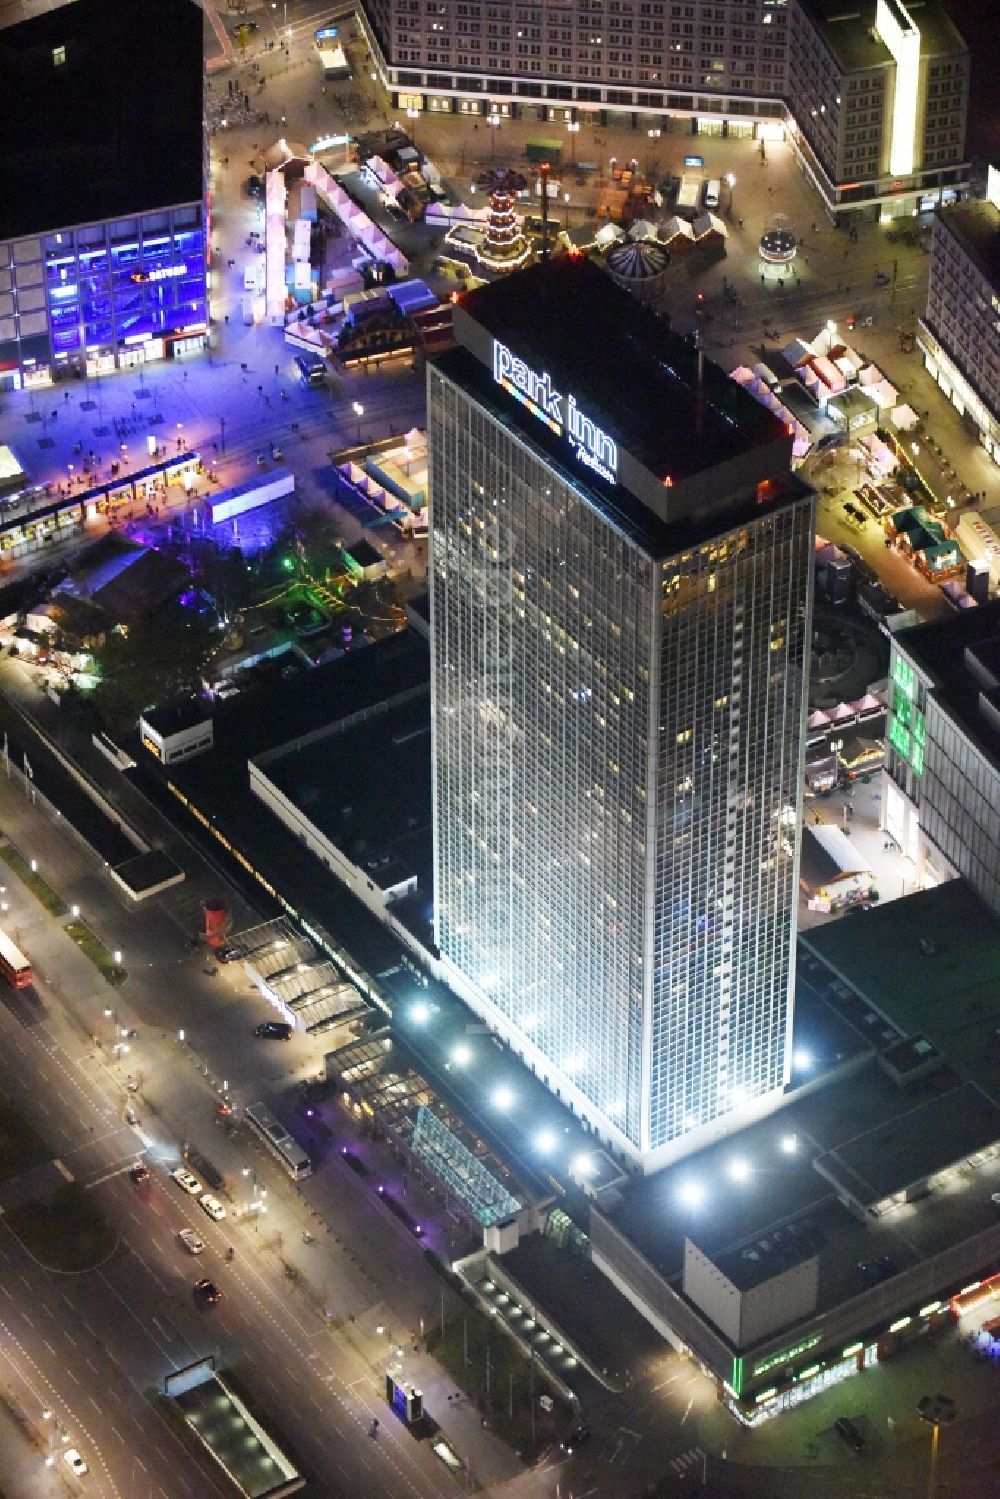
<point>73,1460</point>
<point>213,1207</point>
<point>186,1181</point>
<point>192,1242</point>
<point>576,1438</point>
<point>207,1290</point>
<point>273,1030</point>
<point>139,1174</point>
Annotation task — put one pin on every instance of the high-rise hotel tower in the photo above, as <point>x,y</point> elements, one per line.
<point>621,563</point>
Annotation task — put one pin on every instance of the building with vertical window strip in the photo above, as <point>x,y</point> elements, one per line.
<point>620,598</point>
<point>103,228</point>
<point>942,778</point>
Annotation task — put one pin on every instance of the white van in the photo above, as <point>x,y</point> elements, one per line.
<point>713,190</point>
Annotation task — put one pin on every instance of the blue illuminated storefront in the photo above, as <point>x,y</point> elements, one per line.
<point>107,295</point>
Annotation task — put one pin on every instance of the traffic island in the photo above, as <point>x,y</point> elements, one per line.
<point>93,948</point>
<point>65,1232</point>
<point>32,880</point>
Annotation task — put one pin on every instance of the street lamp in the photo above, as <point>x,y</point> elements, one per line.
<point>566,207</point>
<point>730,183</point>
<point>937,1411</point>
<point>359,412</point>
<point>412,114</point>
<point>573,130</point>
<point>493,120</point>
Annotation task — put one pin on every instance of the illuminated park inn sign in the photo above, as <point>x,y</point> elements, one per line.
<point>560,413</point>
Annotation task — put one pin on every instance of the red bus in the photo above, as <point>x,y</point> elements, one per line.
<point>13,964</point>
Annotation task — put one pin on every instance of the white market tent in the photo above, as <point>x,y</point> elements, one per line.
<point>883,394</point>
<point>905,418</point>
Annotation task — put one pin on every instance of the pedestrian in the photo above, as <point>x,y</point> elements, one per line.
<point>846,254</point>
<point>65,395</point>
<point>814,226</point>
<point>260,388</point>
<point>275,369</point>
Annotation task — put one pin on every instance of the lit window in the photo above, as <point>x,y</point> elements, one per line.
<point>58,56</point>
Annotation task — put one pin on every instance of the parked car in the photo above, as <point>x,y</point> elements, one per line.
<point>878,1269</point>
<point>273,1030</point>
<point>849,1433</point>
<point>212,1206</point>
<point>187,1182</point>
<point>193,1243</point>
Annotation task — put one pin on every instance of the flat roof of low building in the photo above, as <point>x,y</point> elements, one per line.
<point>976,226</point>
<point>938,1120</point>
<point>930,965</point>
<point>103,99</point>
<point>368,789</point>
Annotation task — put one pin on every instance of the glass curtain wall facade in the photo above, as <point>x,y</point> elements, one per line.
<point>731,704</point>
<point>103,288</point>
<point>542,622</point>
<point>617,743</point>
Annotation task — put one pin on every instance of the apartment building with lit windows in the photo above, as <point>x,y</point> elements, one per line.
<point>620,600</point>
<point>878,94</point>
<point>628,62</point>
<point>733,67</point>
<point>959,333</point>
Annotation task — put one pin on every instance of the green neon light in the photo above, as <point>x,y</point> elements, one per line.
<point>904,675</point>
<point>736,1383</point>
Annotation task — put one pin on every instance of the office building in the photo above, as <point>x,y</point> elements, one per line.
<point>103,228</point>
<point>942,778</point>
<point>620,599</point>
<point>878,93</point>
<point>960,332</point>
<point>741,68</point>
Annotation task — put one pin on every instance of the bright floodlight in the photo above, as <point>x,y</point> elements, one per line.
<point>461,1055</point>
<point>583,1165</point>
<point>739,1169</point>
<point>420,1012</point>
<point>545,1142</point>
<point>691,1194</point>
<point>802,1059</point>
<point>789,1144</point>
<point>503,1097</point>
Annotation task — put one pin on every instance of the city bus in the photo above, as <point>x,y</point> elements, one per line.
<point>278,1141</point>
<point>13,964</point>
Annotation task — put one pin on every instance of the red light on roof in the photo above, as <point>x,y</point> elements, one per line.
<point>668,483</point>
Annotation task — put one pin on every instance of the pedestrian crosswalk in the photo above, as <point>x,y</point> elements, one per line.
<point>680,1465</point>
